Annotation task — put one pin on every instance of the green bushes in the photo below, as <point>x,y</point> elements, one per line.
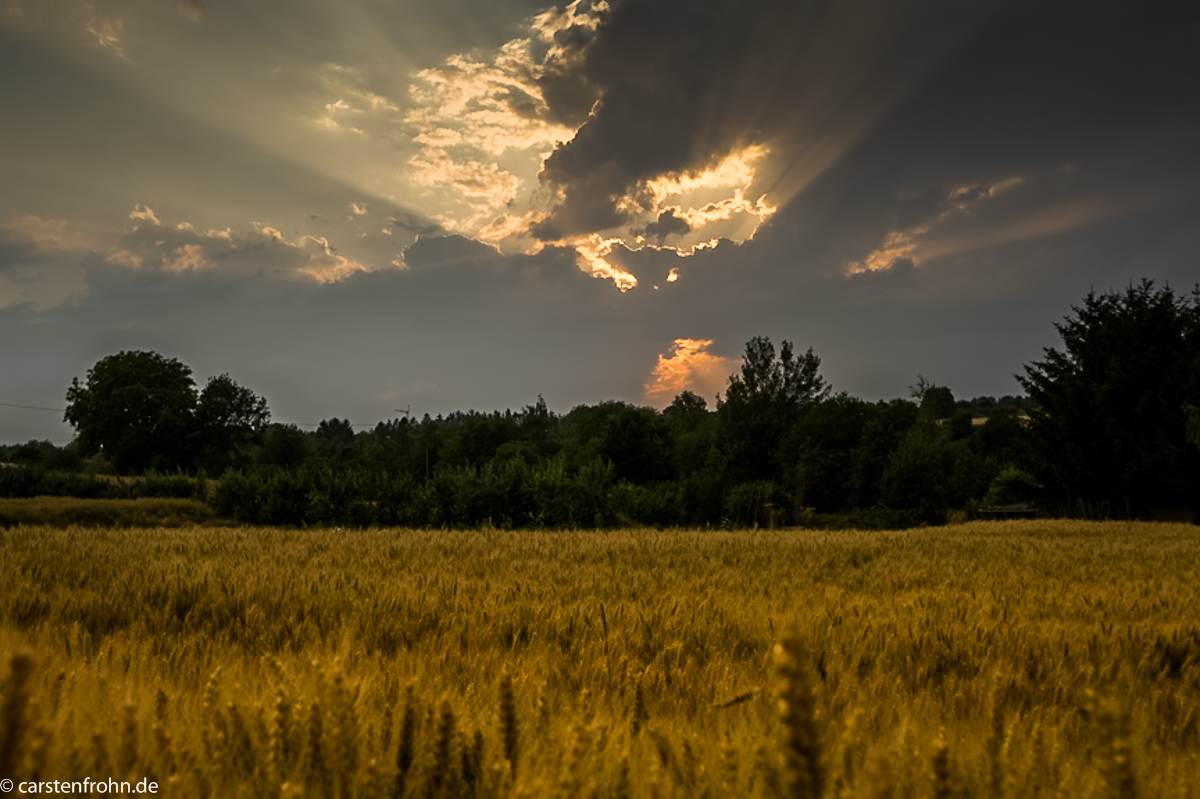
<point>27,482</point>
<point>509,493</point>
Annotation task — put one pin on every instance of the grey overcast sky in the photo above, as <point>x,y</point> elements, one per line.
<point>363,205</point>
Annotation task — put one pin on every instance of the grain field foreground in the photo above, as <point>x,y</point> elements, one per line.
<point>1013,659</point>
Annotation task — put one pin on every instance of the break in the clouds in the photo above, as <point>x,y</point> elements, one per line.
<point>363,205</point>
<point>668,124</point>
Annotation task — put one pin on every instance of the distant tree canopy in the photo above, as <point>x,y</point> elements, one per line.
<point>143,412</point>
<point>1112,422</point>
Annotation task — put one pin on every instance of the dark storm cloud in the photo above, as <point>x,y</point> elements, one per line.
<point>1050,123</point>
<point>436,261</point>
<point>682,83</point>
<point>906,102</point>
<point>446,251</point>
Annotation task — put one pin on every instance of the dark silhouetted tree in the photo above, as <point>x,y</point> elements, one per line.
<point>138,408</point>
<point>1111,427</point>
<point>229,417</point>
<point>763,402</point>
<point>935,402</point>
<point>687,407</point>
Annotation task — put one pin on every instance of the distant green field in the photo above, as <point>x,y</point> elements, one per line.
<point>1003,659</point>
<point>65,511</point>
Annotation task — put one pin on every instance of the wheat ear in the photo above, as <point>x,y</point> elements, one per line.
<point>12,713</point>
<point>804,778</point>
<point>508,721</point>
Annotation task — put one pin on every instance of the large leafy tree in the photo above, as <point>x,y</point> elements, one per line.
<point>1111,425</point>
<point>137,408</point>
<point>762,403</point>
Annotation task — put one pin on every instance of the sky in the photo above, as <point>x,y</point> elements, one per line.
<point>366,206</point>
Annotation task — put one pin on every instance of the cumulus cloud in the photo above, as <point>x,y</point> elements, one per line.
<point>186,257</point>
<point>181,248</point>
<point>143,214</point>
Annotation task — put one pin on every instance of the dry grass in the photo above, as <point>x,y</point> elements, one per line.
<point>1013,659</point>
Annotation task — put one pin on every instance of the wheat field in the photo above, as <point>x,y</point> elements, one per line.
<point>999,659</point>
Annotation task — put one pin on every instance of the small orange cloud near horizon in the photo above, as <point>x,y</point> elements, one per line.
<point>688,367</point>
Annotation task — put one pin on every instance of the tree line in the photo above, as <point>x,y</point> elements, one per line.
<point>1109,426</point>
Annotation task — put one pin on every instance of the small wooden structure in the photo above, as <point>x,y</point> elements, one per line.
<point>1020,510</point>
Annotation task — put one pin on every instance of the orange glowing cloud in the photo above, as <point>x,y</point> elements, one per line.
<point>688,367</point>
<point>593,251</point>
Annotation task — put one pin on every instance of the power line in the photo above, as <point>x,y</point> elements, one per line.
<point>33,407</point>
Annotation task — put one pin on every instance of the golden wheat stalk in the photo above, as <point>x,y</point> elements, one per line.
<point>638,714</point>
<point>1115,751</point>
<point>940,764</point>
<point>406,750</point>
<point>804,776</point>
<point>12,712</point>
<point>509,730</point>
<point>443,746</point>
<point>127,751</point>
